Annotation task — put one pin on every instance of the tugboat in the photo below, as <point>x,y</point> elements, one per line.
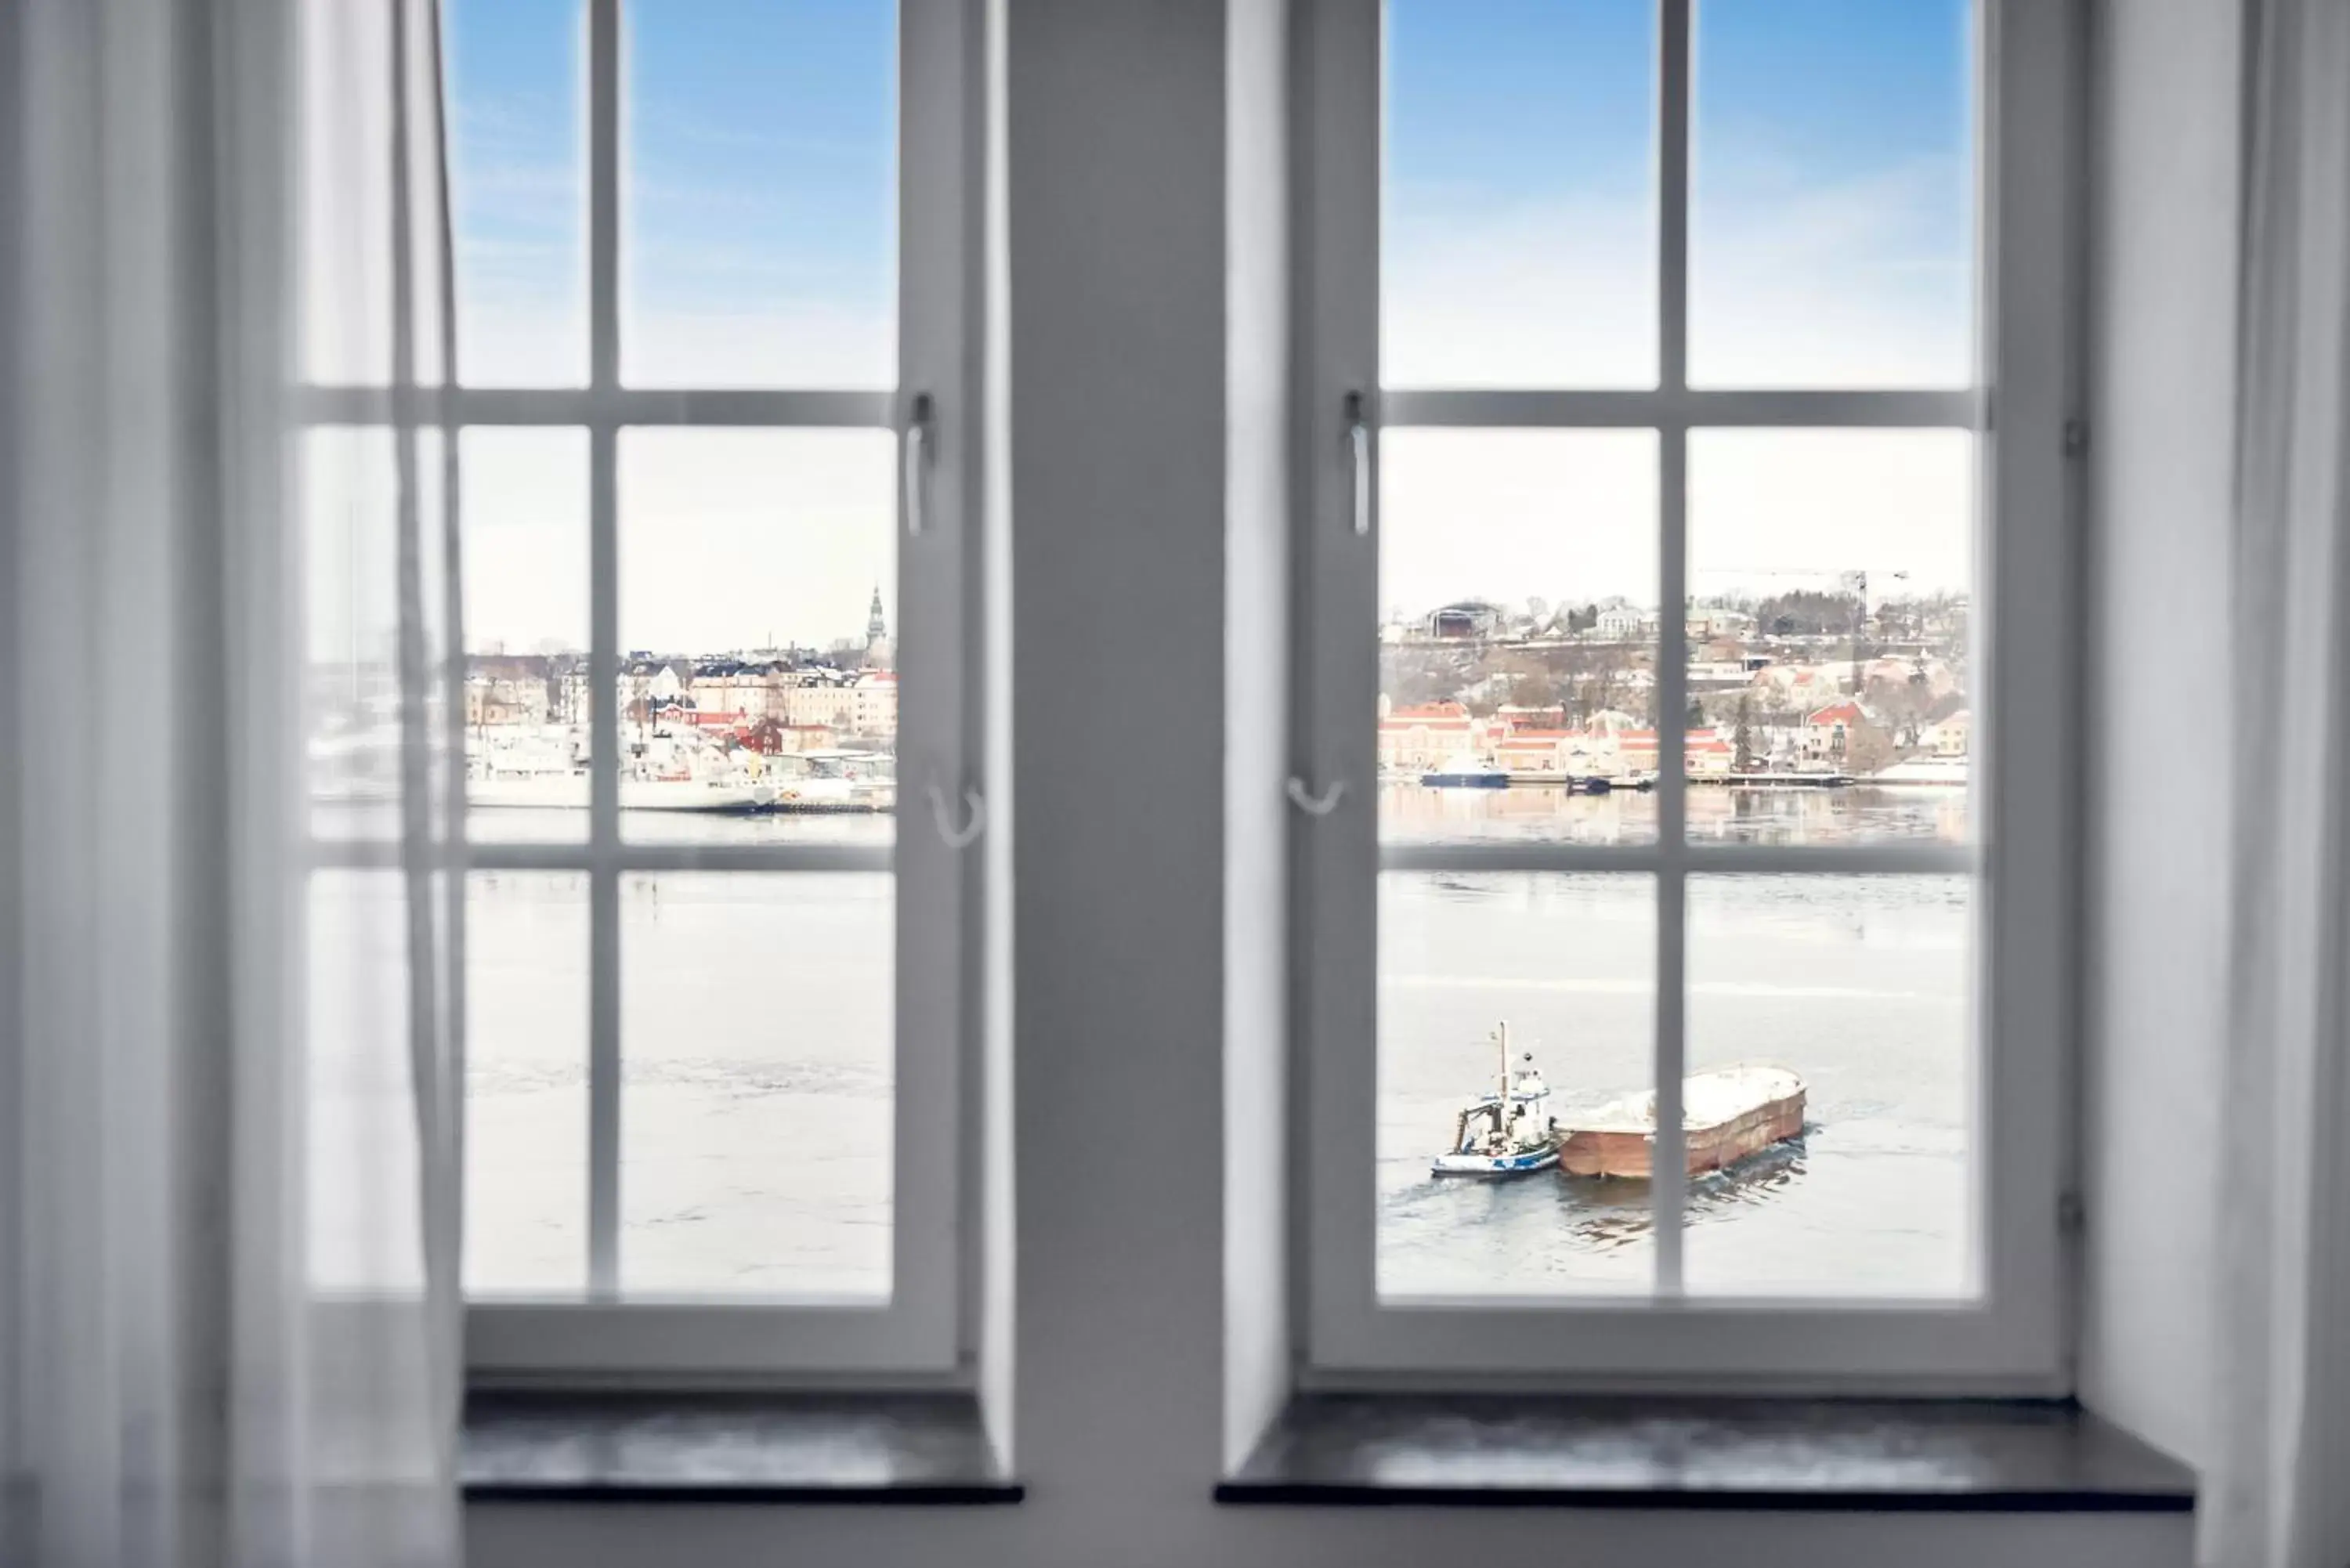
<point>1509,1132</point>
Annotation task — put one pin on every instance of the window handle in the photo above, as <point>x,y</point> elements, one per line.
<point>917,458</point>
<point>1358,442</point>
<point>1312,804</point>
<point>974,822</point>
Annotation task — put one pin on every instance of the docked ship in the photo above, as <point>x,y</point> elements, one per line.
<point>832,781</point>
<point>1464,770</point>
<point>725,796</point>
<point>1727,1115</point>
<point>570,789</point>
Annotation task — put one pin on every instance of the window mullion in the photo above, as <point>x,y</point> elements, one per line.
<point>1792,408</point>
<point>1669,1183</point>
<point>604,867</point>
<point>603,655</point>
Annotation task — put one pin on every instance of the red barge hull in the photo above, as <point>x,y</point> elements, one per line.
<point>1626,1151</point>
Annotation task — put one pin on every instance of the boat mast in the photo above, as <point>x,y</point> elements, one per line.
<point>1502,1035</point>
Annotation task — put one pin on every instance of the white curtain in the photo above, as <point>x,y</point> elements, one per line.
<point>2278,1495</point>
<point>230,907</point>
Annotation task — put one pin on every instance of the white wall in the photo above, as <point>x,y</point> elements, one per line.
<point>1256,723</point>
<point>997,1245</point>
<point>2162,279</point>
<point>1115,118</point>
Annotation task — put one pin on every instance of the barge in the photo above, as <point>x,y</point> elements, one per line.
<point>1726,1113</point>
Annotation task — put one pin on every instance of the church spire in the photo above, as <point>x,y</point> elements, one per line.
<point>877,627</point>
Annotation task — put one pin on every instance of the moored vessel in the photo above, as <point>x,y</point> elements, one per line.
<point>1726,1113</point>
<point>1464,770</point>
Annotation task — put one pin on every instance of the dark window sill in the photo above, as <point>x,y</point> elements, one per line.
<point>888,1448</point>
<point>1949,1456</point>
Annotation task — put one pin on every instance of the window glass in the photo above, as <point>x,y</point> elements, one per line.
<point>1517,635</point>
<point>758,678</point>
<point>737,1065</point>
<point>1831,676</point>
<point>758,211</point>
<point>361,1166</point>
<point>1521,200</point>
<point>526,1082</point>
<point>755,1030</point>
<point>1861,986</point>
<point>1833,191</point>
<point>1557,975</point>
<point>1816,913</point>
<point>528,701</point>
<point>350,630</point>
<point>518,183</point>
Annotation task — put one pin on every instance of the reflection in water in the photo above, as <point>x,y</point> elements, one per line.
<point>1858,814</point>
<point>1603,1212</point>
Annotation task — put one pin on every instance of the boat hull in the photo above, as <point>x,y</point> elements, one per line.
<point>570,792</point>
<point>1525,1162</point>
<point>1626,1152</point>
<point>1466,781</point>
<point>694,795</point>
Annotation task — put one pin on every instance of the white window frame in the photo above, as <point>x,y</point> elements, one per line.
<point>2013,1337</point>
<point>921,1329</point>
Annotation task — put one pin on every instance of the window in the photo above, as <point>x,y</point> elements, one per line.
<point>1684,641</point>
<point>710,269</point>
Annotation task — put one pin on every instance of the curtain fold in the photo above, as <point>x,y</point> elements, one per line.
<point>2278,1495</point>
<point>230,930</point>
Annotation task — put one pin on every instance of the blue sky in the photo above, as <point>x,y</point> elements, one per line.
<point>1831,170</point>
<point>758,237</point>
<point>1831,238</point>
<point>759,154</point>
<point>518,135</point>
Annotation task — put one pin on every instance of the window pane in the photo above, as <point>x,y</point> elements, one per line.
<point>361,1185</point>
<point>1831,577</point>
<point>528,699</point>
<point>518,181</point>
<point>351,624</point>
<point>1569,964</point>
<point>757,1037</point>
<point>1861,985</point>
<point>343,221</point>
<point>1517,648</point>
<point>758,582</point>
<point>526,1082</point>
<point>1520,202</point>
<point>1831,203</point>
<point>759,210</point>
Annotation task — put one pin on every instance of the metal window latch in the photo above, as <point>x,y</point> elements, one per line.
<point>1312,804</point>
<point>917,459</point>
<point>2077,438</point>
<point>1359,443</point>
<point>2072,1214</point>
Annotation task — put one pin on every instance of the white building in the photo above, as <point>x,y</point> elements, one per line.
<point>873,703</point>
<point>1622,622</point>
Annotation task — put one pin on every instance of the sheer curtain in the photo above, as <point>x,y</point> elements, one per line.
<point>2280,1493</point>
<point>230,896</point>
